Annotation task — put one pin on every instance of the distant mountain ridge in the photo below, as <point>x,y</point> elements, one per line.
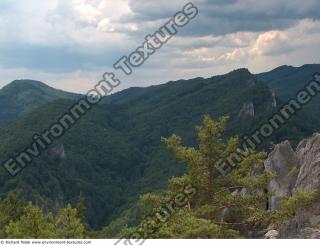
<point>115,152</point>
<point>22,96</point>
<point>287,80</point>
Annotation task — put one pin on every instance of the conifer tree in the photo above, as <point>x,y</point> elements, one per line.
<point>81,208</point>
<point>224,206</point>
<point>11,209</point>
<point>32,224</point>
<point>69,225</point>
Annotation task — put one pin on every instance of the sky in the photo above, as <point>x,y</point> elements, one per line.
<point>69,44</point>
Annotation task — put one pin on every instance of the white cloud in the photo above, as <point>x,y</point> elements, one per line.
<point>86,11</point>
<point>76,40</point>
<point>106,26</point>
<point>270,42</point>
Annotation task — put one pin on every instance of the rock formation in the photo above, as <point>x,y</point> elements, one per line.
<point>282,161</point>
<point>299,170</point>
<point>247,110</point>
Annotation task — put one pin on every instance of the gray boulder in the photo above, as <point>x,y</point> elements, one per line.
<point>272,234</point>
<point>247,110</point>
<point>308,152</point>
<point>282,161</point>
<point>300,171</point>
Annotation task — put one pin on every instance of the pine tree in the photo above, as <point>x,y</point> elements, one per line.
<point>81,208</point>
<point>11,209</point>
<point>69,225</point>
<point>32,224</point>
<point>224,206</point>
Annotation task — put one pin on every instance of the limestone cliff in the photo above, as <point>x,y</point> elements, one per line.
<point>297,170</point>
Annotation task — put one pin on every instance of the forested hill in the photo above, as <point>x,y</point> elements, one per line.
<point>286,81</point>
<point>22,96</point>
<point>114,153</point>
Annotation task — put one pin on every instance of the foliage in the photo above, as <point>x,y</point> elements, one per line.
<point>114,153</point>
<point>23,96</point>
<point>68,224</point>
<point>225,206</point>
<point>32,224</point>
<point>81,214</point>
<point>11,209</point>
<point>291,205</point>
<point>25,220</point>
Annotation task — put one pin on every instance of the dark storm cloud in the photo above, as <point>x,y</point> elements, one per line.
<point>64,37</point>
<point>218,17</point>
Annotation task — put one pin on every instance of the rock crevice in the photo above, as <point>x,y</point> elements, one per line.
<point>296,170</point>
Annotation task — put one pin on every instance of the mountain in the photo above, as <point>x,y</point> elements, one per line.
<point>22,96</point>
<point>114,154</point>
<point>287,81</point>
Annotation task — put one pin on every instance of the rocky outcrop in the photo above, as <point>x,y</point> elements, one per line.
<point>298,170</point>
<point>300,233</point>
<point>247,110</point>
<point>308,233</point>
<point>308,152</point>
<point>283,161</point>
<point>274,99</point>
<point>272,234</point>
<point>58,151</point>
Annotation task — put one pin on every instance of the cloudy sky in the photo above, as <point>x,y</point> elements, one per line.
<point>68,44</point>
